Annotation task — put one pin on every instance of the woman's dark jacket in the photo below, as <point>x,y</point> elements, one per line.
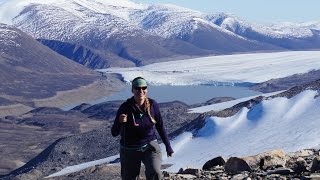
<point>139,129</point>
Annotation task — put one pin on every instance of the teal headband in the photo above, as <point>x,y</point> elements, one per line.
<point>139,83</point>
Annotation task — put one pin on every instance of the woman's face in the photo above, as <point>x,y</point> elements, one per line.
<point>140,92</point>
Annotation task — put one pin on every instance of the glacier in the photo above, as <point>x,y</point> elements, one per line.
<point>225,69</point>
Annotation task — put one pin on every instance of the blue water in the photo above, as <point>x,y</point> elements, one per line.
<point>187,94</point>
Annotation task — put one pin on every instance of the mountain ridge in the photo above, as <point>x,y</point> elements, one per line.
<point>31,72</point>
<point>140,34</point>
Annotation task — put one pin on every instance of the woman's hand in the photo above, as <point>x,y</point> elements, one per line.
<point>123,118</point>
<point>169,152</point>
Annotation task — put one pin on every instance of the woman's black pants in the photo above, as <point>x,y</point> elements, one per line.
<point>131,162</point>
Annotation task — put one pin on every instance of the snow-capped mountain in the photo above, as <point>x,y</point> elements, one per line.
<point>161,20</point>
<point>140,34</point>
<point>171,21</point>
<point>124,33</point>
<point>283,30</point>
<point>287,35</point>
<point>99,25</point>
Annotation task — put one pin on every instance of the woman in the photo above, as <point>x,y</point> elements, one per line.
<point>135,121</point>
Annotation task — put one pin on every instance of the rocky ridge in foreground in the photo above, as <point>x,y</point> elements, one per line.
<point>79,147</point>
<point>274,164</point>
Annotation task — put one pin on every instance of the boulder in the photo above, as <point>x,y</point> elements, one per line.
<point>241,176</point>
<point>280,171</point>
<point>315,167</point>
<point>313,176</point>
<point>236,165</point>
<point>190,171</point>
<point>209,165</point>
<point>304,153</point>
<point>267,159</point>
<point>300,166</point>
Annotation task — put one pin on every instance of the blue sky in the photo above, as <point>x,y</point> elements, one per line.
<point>260,11</point>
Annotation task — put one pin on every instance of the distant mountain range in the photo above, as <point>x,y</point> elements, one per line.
<point>290,36</point>
<point>100,34</point>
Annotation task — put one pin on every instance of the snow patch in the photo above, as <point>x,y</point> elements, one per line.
<point>8,37</point>
<point>228,104</point>
<point>240,135</point>
<point>79,167</point>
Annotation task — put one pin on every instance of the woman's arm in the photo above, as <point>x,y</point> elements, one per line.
<point>120,118</point>
<point>161,130</point>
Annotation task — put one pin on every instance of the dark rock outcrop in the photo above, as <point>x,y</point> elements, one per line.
<point>315,164</point>
<point>236,165</point>
<point>81,107</point>
<point>46,110</point>
<point>218,161</point>
<point>300,166</point>
<point>287,82</point>
<point>106,110</point>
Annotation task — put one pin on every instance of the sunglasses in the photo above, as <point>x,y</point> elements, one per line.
<point>139,88</point>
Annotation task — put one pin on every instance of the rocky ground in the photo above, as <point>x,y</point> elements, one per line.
<point>23,137</point>
<point>26,130</point>
<point>274,164</point>
<point>287,82</point>
<point>72,134</point>
<point>74,91</point>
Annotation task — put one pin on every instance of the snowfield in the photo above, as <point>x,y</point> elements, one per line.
<point>227,104</point>
<point>224,70</point>
<point>79,167</point>
<point>288,124</point>
<point>10,9</point>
